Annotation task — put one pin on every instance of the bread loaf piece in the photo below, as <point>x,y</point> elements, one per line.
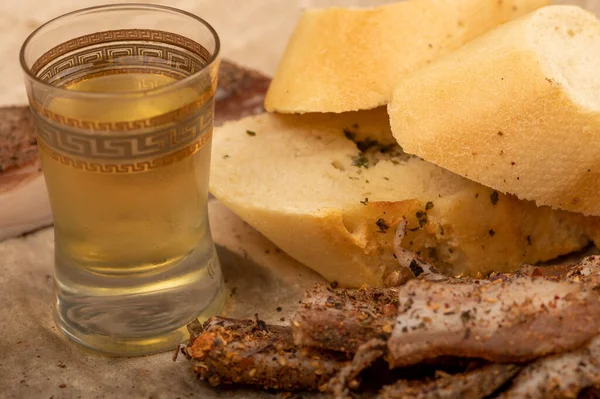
<point>329,195</point>
<point>342,59</point>
<point>517,109</point>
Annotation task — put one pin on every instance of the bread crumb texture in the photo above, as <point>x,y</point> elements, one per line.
<point>330,189</point>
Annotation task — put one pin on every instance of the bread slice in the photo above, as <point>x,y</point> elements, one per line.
<point>322,189</point>
<point>517,110</point>
<point>343,59</point>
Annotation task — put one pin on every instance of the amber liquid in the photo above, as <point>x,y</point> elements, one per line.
<point>136,246</point>
<point>127,222</point>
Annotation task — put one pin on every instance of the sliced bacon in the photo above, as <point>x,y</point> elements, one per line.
<point>512,320</point>
<point>342,320</point>
<point>250,352</point>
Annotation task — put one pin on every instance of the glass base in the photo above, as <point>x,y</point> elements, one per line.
<point>135,346</point>
<point>138,314</point>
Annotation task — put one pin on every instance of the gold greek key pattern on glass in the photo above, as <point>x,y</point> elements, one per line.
<point>126,146</point>
<point>186,62</point>
<point>127,167</point>
<point>146,35</point>
<point>182,62</point>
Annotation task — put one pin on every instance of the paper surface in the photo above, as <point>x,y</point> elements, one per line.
<point>36,361</point>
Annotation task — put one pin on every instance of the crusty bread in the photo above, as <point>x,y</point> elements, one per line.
<point>342,59</point>
<point>517,109</point>
<point>304,184</point>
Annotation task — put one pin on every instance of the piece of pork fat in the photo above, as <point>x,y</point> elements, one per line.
<point>475,384</point>
<point>587,270</point>
<point>250,352</point>
<point>342,320</point>
<point>504,320</point>
<point>560,376</point>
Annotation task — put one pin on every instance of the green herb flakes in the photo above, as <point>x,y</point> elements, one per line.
<point>360,161</point>
<point>494,197</point>
<point>349,134</point>
<point>382,225</point>
<point>366,144</point>
<point>422,218</point>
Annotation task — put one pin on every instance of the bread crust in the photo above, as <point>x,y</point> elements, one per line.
<point>343,59</point>
<point>505,118</point>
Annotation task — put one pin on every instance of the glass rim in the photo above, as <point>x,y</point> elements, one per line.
<point>122,95</point>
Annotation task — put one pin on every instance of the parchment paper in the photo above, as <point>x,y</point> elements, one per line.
<point>35,360</point>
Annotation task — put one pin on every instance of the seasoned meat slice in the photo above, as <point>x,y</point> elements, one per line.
<point>512,320</point>
<point>560,376</point>
<point>250,352</point>
<point>342,320</point>
<point>587,270</point>
<point>475,384</point>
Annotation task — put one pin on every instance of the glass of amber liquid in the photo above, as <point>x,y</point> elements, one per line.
<point>123,101</point>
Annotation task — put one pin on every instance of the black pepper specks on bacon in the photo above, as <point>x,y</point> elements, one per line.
<point>342,320</point>
<point>539,322</point>
<point>246,352</point>
<point>504,320</point>
<point>18,146</point>
<point>560,376</point>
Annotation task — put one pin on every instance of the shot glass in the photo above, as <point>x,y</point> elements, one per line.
<point>123,101</point>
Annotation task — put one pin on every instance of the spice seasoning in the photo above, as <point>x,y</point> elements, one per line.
<point>422,218</point>
<point>360,160</point>
<point>494,197</point>
<point>383,226</point>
